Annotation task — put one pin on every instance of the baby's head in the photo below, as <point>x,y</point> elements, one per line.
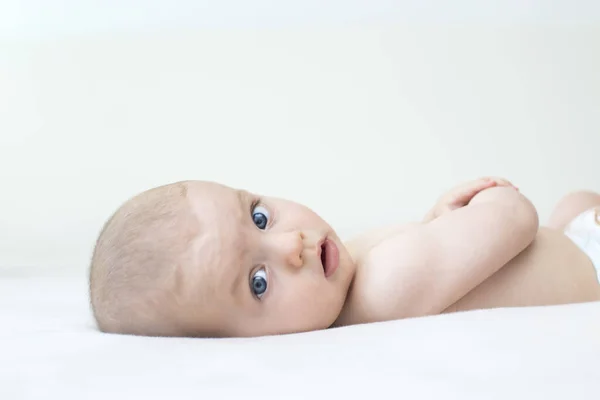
<point>203,259</point>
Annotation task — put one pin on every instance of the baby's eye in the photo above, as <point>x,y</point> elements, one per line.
<point>260,216</point>
<point>258,285</point>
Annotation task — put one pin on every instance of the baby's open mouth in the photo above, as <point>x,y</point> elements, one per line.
<point>330,257</point>
<point>324,256</point>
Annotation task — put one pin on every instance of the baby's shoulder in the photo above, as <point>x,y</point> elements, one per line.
<point>360,245</point>
<point>385,267</point>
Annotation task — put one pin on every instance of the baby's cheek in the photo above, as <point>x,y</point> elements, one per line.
<point>319,303</point>
<point>312,221</point>
<point>299,300</point>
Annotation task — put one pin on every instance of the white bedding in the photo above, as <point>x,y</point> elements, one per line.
<point>50,350</point>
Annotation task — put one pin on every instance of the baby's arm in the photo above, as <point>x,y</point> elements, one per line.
<point>361,245</point>
<point>424,270</point>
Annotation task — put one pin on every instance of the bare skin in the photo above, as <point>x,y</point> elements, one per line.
<point>550,270</point>
<point>571,206</point>
<point>251,265</point>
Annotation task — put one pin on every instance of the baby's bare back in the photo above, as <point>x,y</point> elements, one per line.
<point>552,270</point>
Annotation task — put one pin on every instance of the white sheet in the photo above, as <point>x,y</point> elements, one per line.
<point>50,349</point>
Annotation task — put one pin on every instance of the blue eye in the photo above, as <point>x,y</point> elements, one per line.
<point>260,216</point>
<point>258,285</point>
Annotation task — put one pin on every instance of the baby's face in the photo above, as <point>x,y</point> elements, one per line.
<point>263,265</point>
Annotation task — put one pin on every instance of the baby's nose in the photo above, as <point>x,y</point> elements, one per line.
<point>290,246</point>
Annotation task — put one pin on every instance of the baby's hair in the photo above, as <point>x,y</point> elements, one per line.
<point>137,260</point>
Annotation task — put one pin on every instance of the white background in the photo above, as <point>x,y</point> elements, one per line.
<point>364,110</point>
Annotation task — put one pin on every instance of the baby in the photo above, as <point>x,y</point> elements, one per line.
<point>202,259</point>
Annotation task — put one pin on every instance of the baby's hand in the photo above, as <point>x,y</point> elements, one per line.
<point>461,195</point>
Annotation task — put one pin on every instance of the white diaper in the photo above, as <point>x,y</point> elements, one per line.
<point>584,230</point>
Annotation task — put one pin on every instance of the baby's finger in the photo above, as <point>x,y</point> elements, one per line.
<point>504,182</point>
<point>499,181</point>
<point>464,194</point>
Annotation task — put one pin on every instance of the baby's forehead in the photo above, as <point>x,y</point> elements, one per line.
<point>214,203</point>
<point>223,214</point>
